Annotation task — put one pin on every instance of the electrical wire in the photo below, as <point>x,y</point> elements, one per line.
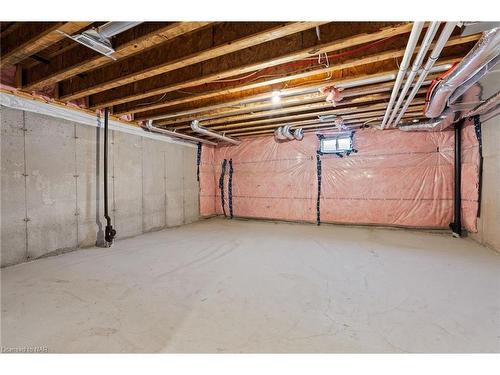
<point>293,63</point>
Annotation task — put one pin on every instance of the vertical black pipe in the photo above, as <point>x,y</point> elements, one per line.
<point>318,200</point>
<point>478,131</point>
<point>110,232</point>
<point>456,226</point>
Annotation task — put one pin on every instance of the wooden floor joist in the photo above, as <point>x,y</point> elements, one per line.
<point>224,74</point>
<point>32,37</point>
<point>150,90</point>
<point>193,58</point>
<point>135,107</point>
<point>155,110</point>
<point>83,59</point>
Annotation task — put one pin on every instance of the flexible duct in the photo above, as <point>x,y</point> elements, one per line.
<point>489,115</point>
<point>440,123</point>
<point>278,135</point>
<point>298,134</point>
<point>485,50</point>
<point>472,80</point>
<point>195,126</point>
<point>486,106</point>
<point>287,133</point>
<point>284,133</point>
<point>449,116</point>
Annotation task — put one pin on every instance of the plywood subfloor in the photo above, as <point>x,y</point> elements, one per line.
<point>248,286</point>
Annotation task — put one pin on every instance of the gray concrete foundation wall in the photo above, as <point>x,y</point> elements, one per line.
<point>52,185</point>
<point>488,222</point>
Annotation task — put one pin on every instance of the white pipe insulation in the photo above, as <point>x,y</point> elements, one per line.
<point>436,52</point>
<point>417,62</point>
<point>410,47</point>
<point>149,125</point>
<point>195,126</point>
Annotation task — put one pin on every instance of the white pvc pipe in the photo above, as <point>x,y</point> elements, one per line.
<point>410,47</point>
<point>178,135</point>
<point>195,126</point>
<point>441,42</point>
<point>426,43</point>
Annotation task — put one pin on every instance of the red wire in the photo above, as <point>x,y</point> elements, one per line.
<point>434,84</point>
<point>295,63</point>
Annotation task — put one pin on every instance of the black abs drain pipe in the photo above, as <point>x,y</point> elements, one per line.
<point>110,233</point>
<point>456,226</point>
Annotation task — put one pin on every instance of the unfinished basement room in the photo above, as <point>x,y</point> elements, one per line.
<point>250,187</point>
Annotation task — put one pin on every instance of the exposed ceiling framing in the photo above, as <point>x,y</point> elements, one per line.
<point>220,73</point>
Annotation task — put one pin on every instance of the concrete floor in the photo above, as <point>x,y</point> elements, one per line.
<point>248,286</point>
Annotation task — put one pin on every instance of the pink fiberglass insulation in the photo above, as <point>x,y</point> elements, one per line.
<point>395,178</point>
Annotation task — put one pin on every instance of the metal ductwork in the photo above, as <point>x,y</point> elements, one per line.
<point>428,67</point>
<point>151,128</point>
<point>437,124</point>
<point>484,52</point>
<point>98,38</point>
<point>285,133</point>
<point>278,135</point>
<point>114,28</point>
<point>450,116</point>
<point>298,134</point>
<point>195,126</point>
<point>486,107</point>
<point>489,115</point>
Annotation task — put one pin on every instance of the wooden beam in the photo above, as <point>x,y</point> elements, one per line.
<point>149,89</point>
<point>83,59</point>
<point>33,37</point>
<point>137,106</point>
<point>277,83</point>
<point>274,32</point>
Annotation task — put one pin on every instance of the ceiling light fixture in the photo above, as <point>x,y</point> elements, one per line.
<point>276,97</point>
